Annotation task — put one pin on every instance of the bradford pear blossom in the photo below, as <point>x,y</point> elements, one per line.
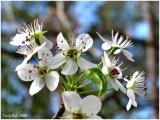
<point>28,51</point>
<point>70,54</point>
<point>137,85</point>
<point>31,33</point>
<point>113,72</point>
<point>118,43</point>
<point>78,108</point>
<point>29,40</point>
<point>40,73</point>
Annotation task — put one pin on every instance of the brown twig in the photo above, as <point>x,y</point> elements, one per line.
<point>60,112</point>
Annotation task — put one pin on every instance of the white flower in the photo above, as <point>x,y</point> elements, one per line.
<point>30,40</point>
<point>28,51</point>
<point>70,55</point>
<point>120,44</point>
<point>41,73</point>
<point>137,85</point>
<point>31,33</point>
<point>113,72</point>
<point>79,108</point>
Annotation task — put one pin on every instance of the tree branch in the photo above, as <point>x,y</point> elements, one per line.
<point>60,112</point>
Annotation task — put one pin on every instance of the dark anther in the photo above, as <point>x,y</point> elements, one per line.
<point>145,89</point>
<point>30,71</point>
<point>114,72</point>
<point>39,59</point>
<point>23,42</point>
<point>19,46</point>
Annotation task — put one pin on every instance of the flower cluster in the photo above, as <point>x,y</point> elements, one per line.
<point>69,67</point>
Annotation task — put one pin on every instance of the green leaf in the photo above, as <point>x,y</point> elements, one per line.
<point>98,78</point>
<point>103,79</point>
<point>93,77</point>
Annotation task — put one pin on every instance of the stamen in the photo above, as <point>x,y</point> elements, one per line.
<point>30,71</point>
<point>19,46</point>
<point>114,71</point>
<point>125,68</point>
<point>23,42</point>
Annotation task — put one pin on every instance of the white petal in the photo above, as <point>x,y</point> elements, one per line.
<point>22,50</point>
<point>135,74</point>
<point>134,103</point>
<point>129,55</point>
<point>90,105</point>
<point>117,51</point>
<point>115,38</point>
<point>52,80</point>
<point>120,40</point>
<point>128,105</point>
<point>95,117</point>
<point>132,81</point>
<point>27,72</point>
<point>130,84</point>
<point>49,44</point>
<point>106,59</point>
<point>84,42</point>
<point>20,66</point>
<point>62,43</point>
<point>84,64</point>
<point>123,44</point>
<point>28,57</point>
<point>69,68</point>
<point>112,82</point>
<point>36,86</point>
<point>104,67</point>
<point>18,38</point>
<point>58,60</point>
<point>71,100</point>
<point>121,87</point>
<point>131,96</point>
<point>107,45</point>
<point>104,40</point>
<point>34,51</point>
<point>38,48</point>
<point>45,56</point>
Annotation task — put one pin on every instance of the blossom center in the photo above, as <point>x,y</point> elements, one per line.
<point>114,72</point>
<point>72,53</point>
<point>78,115</point>
<point>37,37</point>
<point>42,71</point>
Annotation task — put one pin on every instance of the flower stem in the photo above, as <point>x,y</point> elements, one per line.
<point>109,89</point>
<point>109,54</point>
<point>88,92</point>
<point>84,85</point>
<point>68,80</point>
<point>79,79</point>
<point>64,82</point>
